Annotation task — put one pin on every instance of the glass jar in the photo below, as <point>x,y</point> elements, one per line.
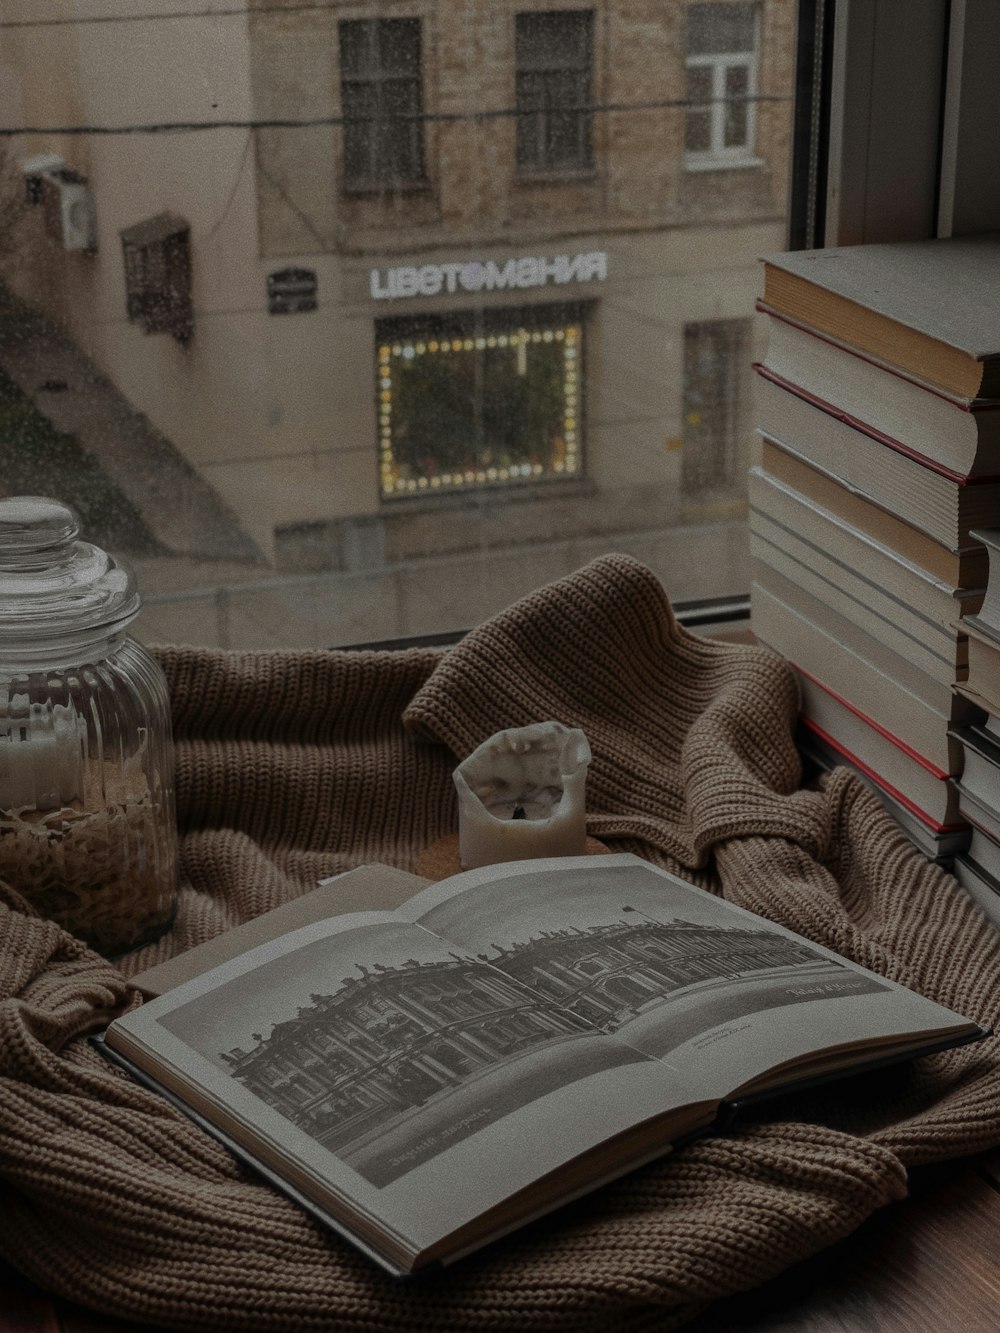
<point>88,830</point>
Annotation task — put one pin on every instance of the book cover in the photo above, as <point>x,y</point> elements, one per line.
<point>390,1067</point>
<point>927,307</point>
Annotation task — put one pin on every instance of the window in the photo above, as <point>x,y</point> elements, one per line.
<point>157,257</point>
<point>553,54</point>
<point>715,363</point>
<point>721,66</point>
<point>473,400</point>
<point>382,102</point>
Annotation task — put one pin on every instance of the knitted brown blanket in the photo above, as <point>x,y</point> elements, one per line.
<point>295,765</point>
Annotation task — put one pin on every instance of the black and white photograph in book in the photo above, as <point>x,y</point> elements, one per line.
<point>387,1046</point>
<point>655,970</point>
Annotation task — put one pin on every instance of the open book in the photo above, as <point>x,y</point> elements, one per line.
<point>427,1079</point>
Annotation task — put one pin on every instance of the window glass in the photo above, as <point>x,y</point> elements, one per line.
<point>722,61</point>
<point>554,70</point>
<point>380,88</point>
<point>491,398</point>
<point>715,379</point>
<point>349,323</point>
<point>719,28</point>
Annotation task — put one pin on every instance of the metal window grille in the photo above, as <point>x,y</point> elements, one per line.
<point>157,255</point>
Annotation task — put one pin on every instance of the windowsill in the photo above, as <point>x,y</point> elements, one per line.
<point>556,176</point>
<point>487,493</point>
<point>379,189</point>
<point>723,163</point>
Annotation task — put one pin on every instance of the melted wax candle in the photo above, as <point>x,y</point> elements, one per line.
<point>521,795</point>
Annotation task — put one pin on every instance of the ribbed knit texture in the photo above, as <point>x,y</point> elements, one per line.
<point>294,765</point>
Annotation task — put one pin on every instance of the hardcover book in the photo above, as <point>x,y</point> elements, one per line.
<point>916,708</point>
<point>981,886</point>
<point>939,843</point>
<point>981,684</point>
<point>966,568</point>
<point>867,746</point>
<point>960,433</point>
<point>427,1079</point>
<point>926,307</point>
<point>936,500</point>
<point>855,557</point>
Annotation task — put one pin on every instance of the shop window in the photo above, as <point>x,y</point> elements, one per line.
<point>553,52</point>
<point>157,256</point>
<point>382,102</point>
<point>721,69</point>
<point>715,361</point>
<point>479,399</point>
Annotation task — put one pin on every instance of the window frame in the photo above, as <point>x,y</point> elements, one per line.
<point>910,143</point>
<point>373,131</point>
<point>545,166</point>
<point>719,156</point>
<point>471,327</point>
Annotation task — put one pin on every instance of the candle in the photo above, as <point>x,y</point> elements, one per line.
<point>521,795</point>
<point>41,755</point>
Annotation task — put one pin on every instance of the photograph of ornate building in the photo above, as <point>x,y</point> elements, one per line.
<point>396,1056</point>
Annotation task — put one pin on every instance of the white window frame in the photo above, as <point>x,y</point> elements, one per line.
<point>719,156</point>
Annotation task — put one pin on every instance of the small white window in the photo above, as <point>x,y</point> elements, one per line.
<point>721,69</point>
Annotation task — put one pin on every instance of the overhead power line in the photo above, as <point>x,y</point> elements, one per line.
<point>241,11</point>
<point>432,117</point>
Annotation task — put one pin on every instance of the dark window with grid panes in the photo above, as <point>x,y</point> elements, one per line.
<point>553,54</point>
<point>482,398</point>
<point>157,257</point>
<point>721,71</point>
<point>716,354</point>
<point>382,100</point>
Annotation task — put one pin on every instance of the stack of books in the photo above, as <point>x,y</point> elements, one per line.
<point>878,410</point>
<point>978,866</point>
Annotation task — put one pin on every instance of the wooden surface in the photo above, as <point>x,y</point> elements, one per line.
<point>928,1265</point>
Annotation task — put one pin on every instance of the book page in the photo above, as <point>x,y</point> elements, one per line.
<point>719,995</point>
<point>401,1072</point>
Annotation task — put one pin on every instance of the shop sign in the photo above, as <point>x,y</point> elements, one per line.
<point>393,284</point>
<point>291,291</point>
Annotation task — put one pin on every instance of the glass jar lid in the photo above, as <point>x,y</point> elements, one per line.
<point>53,586</point>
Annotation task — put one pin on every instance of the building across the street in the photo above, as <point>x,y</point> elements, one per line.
<point>439,301</point>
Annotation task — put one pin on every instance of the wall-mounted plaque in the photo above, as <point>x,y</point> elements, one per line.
<point>291,291</point>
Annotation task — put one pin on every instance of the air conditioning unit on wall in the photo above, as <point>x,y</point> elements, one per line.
<point>69,209</point>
